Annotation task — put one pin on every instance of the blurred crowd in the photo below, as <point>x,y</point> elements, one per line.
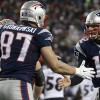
<point>65,20</point>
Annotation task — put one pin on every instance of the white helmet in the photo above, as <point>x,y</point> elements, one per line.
<point>93,20</point>
<point>33,11</point>
<point>7,21</point>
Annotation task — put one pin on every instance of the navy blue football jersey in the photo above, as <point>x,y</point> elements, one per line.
<point>20,50</point>
<point>89,51</point>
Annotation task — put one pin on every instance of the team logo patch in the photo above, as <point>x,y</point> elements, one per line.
<point>98,14</point>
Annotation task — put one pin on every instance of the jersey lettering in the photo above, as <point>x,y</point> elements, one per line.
<point>87,89</point>
<point>50,84</point>
<point>97,65</point>
<point>25,46</point>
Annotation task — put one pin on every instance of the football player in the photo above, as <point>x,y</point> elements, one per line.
<point>38,76</point>
<point>21,47</point>
<point>88,49</point>
<point>51,90</point>
<point>88,92</point>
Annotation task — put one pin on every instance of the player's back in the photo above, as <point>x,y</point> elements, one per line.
<point>20,51</point>
<point>51,89</point>
<point>88,92</point>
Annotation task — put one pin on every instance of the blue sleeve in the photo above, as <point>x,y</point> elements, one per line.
<point>79,53</point>
<point>44,38</point>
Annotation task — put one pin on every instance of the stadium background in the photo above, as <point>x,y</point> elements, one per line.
<point>65,20</point>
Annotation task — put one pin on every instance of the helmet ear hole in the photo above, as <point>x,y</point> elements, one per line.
<point>39,18</point>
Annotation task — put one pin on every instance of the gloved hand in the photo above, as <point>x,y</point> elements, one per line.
<point>84,72</point>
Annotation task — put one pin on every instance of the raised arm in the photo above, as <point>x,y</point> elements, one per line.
<point>63,68</point>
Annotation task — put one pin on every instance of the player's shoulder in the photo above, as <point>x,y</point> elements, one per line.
<point>82,45</point>
<point>43,30</point>
<point>82,42</point>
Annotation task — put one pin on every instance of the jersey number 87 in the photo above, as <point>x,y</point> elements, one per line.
<point>7,45</point>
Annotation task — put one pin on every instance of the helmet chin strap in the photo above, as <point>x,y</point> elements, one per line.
<point>96,39</point>
<point>94,36</point>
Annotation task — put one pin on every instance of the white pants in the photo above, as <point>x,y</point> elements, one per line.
<point>15,90</point>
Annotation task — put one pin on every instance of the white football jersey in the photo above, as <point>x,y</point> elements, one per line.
<point>51,89</point>
<point>87,90</point>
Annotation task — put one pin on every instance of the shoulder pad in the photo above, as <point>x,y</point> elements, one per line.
<point>45,31</point>
<point>78,47</point>
<point>84,40</point>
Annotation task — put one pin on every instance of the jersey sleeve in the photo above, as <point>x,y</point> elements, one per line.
<point>79,53</point>
<point>80,56</point>
<point>44,38</point>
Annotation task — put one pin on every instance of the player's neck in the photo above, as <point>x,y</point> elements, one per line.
<point>34,25</point>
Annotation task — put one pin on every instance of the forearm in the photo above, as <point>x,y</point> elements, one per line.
<point>39,82</point>
<point>37,91</point>
<point>39,77</point>
<point>54,64</point>
<point>65,69</point>
<point>75,80</point>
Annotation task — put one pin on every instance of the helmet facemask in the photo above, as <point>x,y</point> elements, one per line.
<point>93,31</point>
<point>93,25</point>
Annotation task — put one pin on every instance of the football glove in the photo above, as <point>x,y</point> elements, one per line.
<point>84,72</point>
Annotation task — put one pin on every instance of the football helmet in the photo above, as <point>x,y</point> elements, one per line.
<point>33,11</point>
<point>6,21</point>
<point>93,25</point>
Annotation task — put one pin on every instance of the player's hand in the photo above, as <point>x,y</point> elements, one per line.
<point>84,72</point>
<point>64,82</point>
